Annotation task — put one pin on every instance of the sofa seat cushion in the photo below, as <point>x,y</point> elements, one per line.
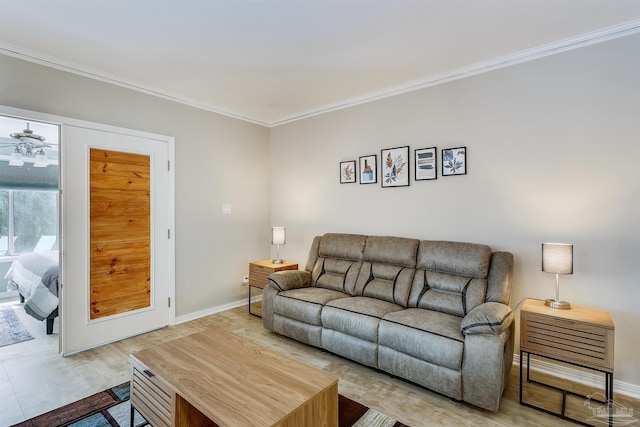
<point>357,316</point>
<point>305,304</point>
<point>427,335</point>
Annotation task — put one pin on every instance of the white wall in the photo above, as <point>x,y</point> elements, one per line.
<point>218,160</point>
<point>553,155</point>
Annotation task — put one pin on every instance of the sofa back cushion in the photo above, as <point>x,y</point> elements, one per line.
<point>451,277</point>
<point>387,269</point>
<point>338,261</point>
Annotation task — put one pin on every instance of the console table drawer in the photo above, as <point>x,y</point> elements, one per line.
<point>151,396</point>
<point>259,275</point>
<point>587,344</point>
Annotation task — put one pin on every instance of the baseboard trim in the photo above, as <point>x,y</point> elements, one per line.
<point>581,377</point>
<point>209,311</point>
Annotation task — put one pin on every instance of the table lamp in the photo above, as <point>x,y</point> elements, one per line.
<point>557,258</point>
<point>278,237</point>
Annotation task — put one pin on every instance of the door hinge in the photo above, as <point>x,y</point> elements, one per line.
<point>168,165</point>
<point>169,302</point>
<point>168,233</point>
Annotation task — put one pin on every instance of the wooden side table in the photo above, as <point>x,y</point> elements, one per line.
<point>579,336</point>
<point>259,272</point>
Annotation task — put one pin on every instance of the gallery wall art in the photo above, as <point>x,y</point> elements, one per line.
<point>426,164</point>
<point>394,167</point>
<point>454,161</point>
<point>348,172</point>
<point>368,169</point>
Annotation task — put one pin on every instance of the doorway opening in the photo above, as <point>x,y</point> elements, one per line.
<point>29,224</point>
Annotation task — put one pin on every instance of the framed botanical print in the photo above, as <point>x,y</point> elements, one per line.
<point>426,164</point>
<point>348,172</point>
<point>395,167</point>
<point>368,169</point>
<point>454,161</point>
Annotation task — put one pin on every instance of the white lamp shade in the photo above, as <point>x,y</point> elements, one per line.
<point>278,235</point>
<point>557,258</point>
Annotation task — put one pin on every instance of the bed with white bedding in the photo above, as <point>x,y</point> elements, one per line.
<point>35,276</point>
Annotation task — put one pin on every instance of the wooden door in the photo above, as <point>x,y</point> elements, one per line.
<point>117,252</point>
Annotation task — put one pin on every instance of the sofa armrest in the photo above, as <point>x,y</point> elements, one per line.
<point>487,318</point>
<point>486,364</point>
<point>290,279</point>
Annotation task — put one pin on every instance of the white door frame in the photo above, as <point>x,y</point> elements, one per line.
<point>62,121</point>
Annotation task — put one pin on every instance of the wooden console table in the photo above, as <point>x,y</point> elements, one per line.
<point>215,378</point>
<point>579,336</point>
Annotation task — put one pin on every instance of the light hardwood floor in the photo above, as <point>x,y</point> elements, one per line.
<point>35,379</point>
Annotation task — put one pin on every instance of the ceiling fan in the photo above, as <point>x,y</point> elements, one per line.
<point>27,145</point>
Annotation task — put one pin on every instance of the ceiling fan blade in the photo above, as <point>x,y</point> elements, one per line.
<point>35,144</point>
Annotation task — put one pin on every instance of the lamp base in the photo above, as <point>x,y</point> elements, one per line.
<point>277,261</point>
<point>561,305</point>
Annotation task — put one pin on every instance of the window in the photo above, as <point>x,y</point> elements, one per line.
<point>28,221</point>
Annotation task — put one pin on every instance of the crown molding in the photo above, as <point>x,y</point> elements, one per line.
<point>599,36</point>
<point>71,67</point>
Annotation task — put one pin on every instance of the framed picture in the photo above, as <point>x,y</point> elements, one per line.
<point>368,169</point>
<point>454,161</point>
<point>395,167</point>
<point>347,172</point>
<point>426,164</point>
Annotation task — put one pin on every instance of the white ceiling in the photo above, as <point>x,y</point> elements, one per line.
<point>273,61</point>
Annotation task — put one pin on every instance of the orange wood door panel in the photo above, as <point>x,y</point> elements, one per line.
<point>120,232</point>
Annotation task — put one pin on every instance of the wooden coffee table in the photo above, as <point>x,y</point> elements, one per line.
<point>215,378</point>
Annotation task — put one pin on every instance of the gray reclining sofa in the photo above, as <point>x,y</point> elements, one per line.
<point>432,312</point>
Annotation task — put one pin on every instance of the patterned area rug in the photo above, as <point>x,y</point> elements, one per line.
<point>12,331</point>
<point>112,408</point>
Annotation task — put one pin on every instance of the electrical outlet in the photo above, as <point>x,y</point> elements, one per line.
<point>245,280</point>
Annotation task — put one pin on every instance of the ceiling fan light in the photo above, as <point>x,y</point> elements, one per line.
<point>16,159</point>
<point>41,160</point>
